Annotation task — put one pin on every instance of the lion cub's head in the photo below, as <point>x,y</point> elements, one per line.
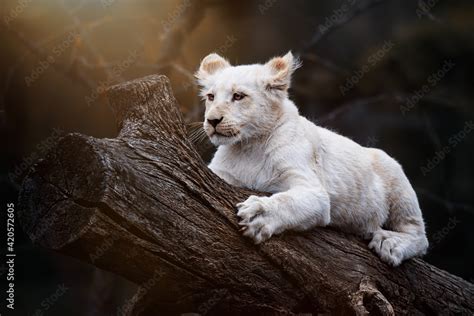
<point>246,101</point>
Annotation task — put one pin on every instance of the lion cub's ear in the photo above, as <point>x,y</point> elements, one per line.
<point>281,69</point>
<point>209,65</point>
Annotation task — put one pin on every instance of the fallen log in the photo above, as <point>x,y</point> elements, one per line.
<point>145,206</point>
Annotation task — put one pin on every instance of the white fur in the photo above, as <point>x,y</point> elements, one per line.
<point>317,177</point>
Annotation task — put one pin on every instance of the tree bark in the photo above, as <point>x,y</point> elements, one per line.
<point>145,206</point>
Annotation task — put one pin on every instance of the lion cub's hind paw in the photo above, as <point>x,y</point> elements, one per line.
<point>388,246</point>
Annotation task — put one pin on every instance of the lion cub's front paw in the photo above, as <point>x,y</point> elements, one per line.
<point>257,222</point>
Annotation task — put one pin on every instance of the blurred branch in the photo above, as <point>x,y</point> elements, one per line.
<point>74,73</point>
<point>325,63</point>
<point>360,102</point>
<point>399,97</point>
<point>336,25</point>
<point>172,40</point>
<point>343,21</point>
<point>84,34</point>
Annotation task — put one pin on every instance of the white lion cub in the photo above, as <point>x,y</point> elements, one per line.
<point>317,177</point>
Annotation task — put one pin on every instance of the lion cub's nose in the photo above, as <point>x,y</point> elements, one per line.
<point>214,122</point>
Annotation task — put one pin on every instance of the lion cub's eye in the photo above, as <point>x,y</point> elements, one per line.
<point>210,97</point>
<point>238,96</point>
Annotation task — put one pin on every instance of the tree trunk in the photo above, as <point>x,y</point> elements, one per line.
<point>145,206</point>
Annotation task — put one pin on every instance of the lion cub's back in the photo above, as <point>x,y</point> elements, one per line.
<point>357,191</point>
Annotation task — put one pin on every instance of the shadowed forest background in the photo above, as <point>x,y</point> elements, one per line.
<point>396,75</point>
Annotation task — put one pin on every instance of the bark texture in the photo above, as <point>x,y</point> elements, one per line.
<point>145,206</point>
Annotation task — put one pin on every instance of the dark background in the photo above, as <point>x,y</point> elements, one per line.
<point>56,55</point>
